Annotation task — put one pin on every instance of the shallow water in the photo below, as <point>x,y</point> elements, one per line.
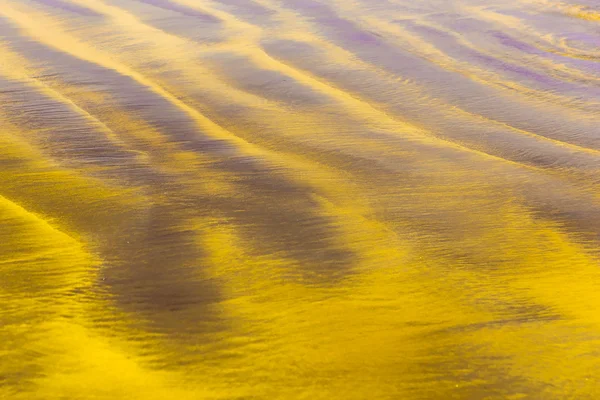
<point>299,199</point>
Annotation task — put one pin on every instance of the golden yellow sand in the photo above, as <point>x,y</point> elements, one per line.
<point>299,199</point>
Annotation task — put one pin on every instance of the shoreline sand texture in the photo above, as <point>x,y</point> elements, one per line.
<point>299,199</point>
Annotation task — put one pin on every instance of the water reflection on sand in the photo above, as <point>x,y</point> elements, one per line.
<point>299,199</point>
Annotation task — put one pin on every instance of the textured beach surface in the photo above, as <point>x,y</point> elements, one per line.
<point>299,199</point>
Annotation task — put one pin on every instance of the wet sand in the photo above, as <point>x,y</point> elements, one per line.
<point>299,199</point>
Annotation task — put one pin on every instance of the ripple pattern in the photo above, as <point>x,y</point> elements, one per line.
<point>299,199</point>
